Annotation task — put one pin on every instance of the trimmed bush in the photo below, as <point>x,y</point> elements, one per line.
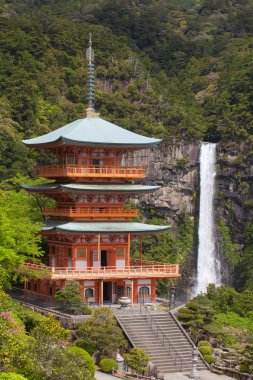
<point>206,350</point>
<point>209,359</point>
<point>107,365</point>
<point>11,376</point>
<point>89,363</point>
<point>204,343</point>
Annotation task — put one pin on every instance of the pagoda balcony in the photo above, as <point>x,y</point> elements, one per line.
<point>91,213</point>
<point>146,270</point>
<point>81,171</point>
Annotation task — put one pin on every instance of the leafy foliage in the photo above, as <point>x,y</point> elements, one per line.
<point>11,376</point>
<point>137,359</point>
<point>221,313</point>
<point>19,239</point>
<point>108,365</point>
<point>182,69</point>
<point>70,299</point>
<point>101,334</point>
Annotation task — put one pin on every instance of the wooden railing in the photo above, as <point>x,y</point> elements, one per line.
<point>91,171</point>
<point>91,212</point>
<point>148,271</point>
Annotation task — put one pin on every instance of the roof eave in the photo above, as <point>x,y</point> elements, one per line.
<point>64,141</point>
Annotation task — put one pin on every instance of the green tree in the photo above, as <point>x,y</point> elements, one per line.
<point>72,363</point>
<point>137,359</point>
<point>101,334</point>
<point>19,238</point>
<point>70,299</point>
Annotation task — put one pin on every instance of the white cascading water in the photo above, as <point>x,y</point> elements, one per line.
<point>208,267</point>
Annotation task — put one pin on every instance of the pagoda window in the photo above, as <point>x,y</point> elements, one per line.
<point>120,251</point>
<point>144,291</point>
<point>81,253</point>
<point>69,252</point>
<point>128,291</point>
<point>89,293</point>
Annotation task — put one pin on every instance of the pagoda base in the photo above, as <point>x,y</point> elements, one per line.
<point>100,292</point>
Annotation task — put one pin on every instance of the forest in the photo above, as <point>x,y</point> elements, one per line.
<point>178,70</point>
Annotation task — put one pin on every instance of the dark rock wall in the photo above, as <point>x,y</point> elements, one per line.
<point>175,167</point>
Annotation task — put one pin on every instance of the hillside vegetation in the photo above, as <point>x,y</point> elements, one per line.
<point>176,69</point>
<point>163,68</point>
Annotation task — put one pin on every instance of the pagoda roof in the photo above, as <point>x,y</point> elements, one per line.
<point>102,227</point>
<point>90,188</point>
<point>91,131</point>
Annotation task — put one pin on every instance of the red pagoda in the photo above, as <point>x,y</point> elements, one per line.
<point>94,164</point>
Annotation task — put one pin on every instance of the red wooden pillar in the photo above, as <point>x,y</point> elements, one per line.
<point>128,250</point>
<point>153,289</point>
<point>99,251</point>
<point>101,298</point>
<point>132,292</point>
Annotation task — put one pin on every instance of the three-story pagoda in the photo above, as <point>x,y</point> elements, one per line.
<point>94,164</point>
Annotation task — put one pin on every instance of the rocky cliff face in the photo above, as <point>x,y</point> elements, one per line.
<point>175,168</point>
<point>234,198</point>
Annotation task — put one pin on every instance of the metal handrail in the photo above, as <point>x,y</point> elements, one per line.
<point>189,339</point>
<point>165,339</point>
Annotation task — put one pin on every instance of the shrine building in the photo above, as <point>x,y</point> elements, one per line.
<point>92,166</point>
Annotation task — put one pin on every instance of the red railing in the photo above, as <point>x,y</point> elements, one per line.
<point>144,271</point>
<point>91,171</point>
<point>91,212</point>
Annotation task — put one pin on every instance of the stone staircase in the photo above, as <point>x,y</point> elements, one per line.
<point>162,338</point>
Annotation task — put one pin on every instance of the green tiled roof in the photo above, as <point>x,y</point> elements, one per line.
<point>92,132</point>
<point>87,187</point>
<point>103,227</point>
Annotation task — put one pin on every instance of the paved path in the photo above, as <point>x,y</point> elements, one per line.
<point>204,375</point>
<point>104,376</point>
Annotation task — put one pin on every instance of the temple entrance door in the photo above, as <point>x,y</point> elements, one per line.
<point>104,258</point>
<point>120,291</point>
<point>107,292</point>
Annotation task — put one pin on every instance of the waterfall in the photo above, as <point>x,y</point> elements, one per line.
<point>208,267</point>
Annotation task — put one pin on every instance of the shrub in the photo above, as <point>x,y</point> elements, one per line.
<point>205,350</point>
<point>89,363</point>
<point>30,318</point>
<point>11,376</point>
<point>243,368</point>
<point>137,359</point>
<point>107,365</point>
<point>209,359</point>
<point>204,343</point>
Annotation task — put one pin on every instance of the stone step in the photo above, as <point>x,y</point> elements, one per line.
<point>144,334</point>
